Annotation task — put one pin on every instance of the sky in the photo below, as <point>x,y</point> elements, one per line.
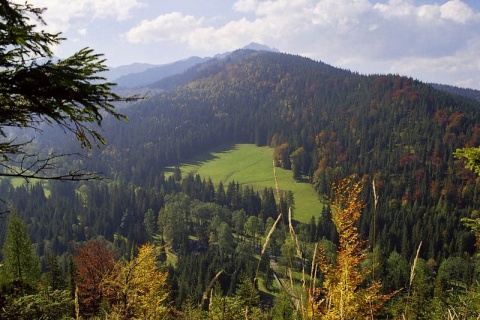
<point>430,40</point>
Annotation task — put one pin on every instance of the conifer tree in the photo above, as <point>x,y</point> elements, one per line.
<point>36,89</point>
<point>54,276</point>
<point>21,265</point>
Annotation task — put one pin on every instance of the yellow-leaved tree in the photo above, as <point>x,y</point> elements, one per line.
<point>347,291</point>
<point>137,289</point>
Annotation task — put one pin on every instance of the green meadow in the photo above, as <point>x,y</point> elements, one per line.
<point>248,164</point>
<point>17,182</point>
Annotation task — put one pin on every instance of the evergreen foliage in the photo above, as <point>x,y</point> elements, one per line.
<point>324,123</point>
<point>36,90</point>
<point>21,265</point>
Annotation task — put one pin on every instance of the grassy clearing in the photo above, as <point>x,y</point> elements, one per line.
<point>18,182</point>
<point>252,165</point>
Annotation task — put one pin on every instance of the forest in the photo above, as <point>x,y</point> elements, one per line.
<point>152,244</point>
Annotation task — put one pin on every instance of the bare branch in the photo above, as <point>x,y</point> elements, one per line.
<point>33,166</point>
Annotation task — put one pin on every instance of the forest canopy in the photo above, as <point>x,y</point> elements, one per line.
<point>154,241</point>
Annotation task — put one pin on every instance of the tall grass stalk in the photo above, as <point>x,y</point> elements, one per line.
<point>265,245</point>
<point>313,279</point>
<point>298,304</point>
<point>269,235</point>
<point>209,289</point>
<point>313,271</point>
<point>375,199</point>
<point>412,277</point>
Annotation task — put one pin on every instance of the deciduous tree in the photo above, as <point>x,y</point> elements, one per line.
<point>253,227</point>
<point>345,293</point>
<point>93,262</point>
<point>173,220</point>
<point>137,289</point>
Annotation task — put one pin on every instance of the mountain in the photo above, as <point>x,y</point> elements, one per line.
<point>464,92</point>
<point>141,75</point>
<point>396,134</point>
<point>259,47</point>
<point>327,123</point>
<point>114,73</point>
<point>156,73</point>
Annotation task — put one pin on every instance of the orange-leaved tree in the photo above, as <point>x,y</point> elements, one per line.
<point>347,291</point>
<point>93,261</point>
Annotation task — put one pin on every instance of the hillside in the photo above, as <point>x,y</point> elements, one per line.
<point>464,92</point>
<point>155,73</point>
<point>323,124</point>
<point>250,165</point>
<point>396,129</point>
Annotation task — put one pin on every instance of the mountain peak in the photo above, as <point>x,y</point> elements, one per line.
<point>259,47</point>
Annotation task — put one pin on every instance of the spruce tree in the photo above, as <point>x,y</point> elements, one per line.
<point>37,89</point>
<point>21,265</point>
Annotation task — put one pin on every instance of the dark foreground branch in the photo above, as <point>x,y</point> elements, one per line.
<point>33,166</point>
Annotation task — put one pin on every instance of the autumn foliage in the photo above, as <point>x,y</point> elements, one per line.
<point>137,289</point>
<point>93,261</point>
<point>347,292</point>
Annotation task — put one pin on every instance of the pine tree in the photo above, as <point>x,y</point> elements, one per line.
<point>21,265</point>
<point>36,90</point>
<point>54,276</point>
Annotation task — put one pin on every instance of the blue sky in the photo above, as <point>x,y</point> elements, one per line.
<point>431,40</point>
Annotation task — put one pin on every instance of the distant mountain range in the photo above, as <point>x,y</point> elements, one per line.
<point>139,75</point>
<point>464,92</point>
<point>152,73</point>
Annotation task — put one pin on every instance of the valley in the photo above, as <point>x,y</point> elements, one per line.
<point>252,166</point>
<point>190,175</point>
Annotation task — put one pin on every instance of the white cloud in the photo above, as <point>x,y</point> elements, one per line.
<point>271,24</point>
<point>172,26</point>
<point>335,29</point>
<point>396,8</point>
<point>343,15</point>
<point>461,68</point>
<point>457,11</point>
<point>83,32</point>
<point>451,11</point>
<point>245,5</point>
<point>231,36</point>
<point>120,9</point>
<point>60,14</point>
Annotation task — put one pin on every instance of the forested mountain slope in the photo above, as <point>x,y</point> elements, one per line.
<point>396,129</point>
<point>465,92</point>
<point>325,123</point>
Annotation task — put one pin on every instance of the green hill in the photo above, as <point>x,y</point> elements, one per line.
<point>252,165</point>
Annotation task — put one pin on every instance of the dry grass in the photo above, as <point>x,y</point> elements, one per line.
<point>412,277</point>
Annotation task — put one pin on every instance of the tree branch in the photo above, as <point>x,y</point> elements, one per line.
<point>33,166</point>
